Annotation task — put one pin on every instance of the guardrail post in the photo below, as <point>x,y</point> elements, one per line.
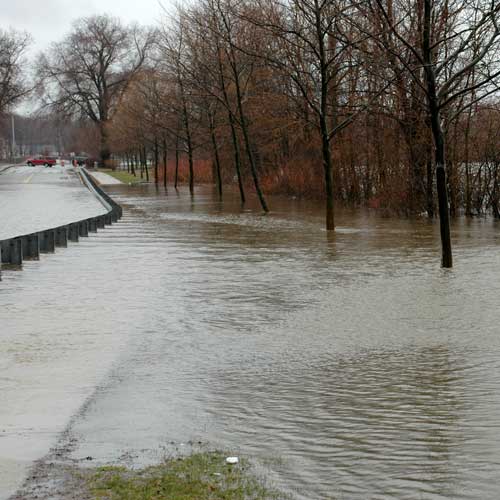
<point>16,251</point>
<point>101,223</point>
<point>5,251</point>
<point>73,232</point>
<point>24,245</point>
<point>92,225</point>
<point>34,246</point>
<point>108,219</point>
<point>47,241</point>
<point>62,236</point>
<point>83,228</point>
<point>30,245</point>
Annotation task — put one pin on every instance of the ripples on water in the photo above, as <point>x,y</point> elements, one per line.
<point>351,366</point>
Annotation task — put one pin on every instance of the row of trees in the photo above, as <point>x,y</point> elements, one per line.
<point>390,103</point>
<point>377,92</point>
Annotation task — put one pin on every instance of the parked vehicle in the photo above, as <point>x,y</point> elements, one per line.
<point>81,160</point>
<point>41,160</point>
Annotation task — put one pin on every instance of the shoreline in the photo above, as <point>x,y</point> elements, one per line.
<point>200,475</point>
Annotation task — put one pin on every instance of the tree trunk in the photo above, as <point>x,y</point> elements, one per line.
<point>157,160</point>
<point>430,183</point>
<point>165,158</point>
<point>140,162</point>
<point>468,197</point>
<point>439,141</point>
<point>189,151</point>
<point>234,136</point>
<point>105,151</point>
<point>246,138</point>
<point>176,163</point>
<point>328,172</point>
<point>495,195</point>
<point>218,179</point>
<point>323,125</point>
<point>237,161</point>
<point>187,130</point>
<point>444,218</point>
<point>145,156</point>
<point>132,165</point>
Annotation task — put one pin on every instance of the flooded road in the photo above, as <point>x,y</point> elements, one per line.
<point>37,198</point>
<point>349,366</point>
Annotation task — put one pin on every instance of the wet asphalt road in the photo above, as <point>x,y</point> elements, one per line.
<point>36,198</point>
<point>32,199</point>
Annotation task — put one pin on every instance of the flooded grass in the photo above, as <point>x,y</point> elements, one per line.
<point>126,177</point>
<point>202,476</point>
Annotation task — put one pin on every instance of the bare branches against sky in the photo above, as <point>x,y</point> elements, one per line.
<point>50,20</point>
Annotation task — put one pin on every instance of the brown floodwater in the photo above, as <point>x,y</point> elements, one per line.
<point>347,366</point>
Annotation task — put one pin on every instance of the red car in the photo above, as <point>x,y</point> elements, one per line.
<point>41,160</point>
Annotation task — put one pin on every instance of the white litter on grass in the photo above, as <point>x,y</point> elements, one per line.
<point>232,460</point>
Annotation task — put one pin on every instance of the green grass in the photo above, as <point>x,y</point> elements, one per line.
<point>124,176</point>
<point>202,476</point>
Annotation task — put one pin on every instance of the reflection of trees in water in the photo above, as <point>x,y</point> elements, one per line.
<point>384,421</point>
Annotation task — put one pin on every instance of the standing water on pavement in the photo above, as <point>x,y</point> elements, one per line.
<point>347,365</point>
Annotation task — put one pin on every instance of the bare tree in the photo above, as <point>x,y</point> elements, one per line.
<point>311,43</point>
<point>87,73</point>
<point>211,77</point>
<point>174,64</point>
<point>13,87</point>
<point>454,46</point>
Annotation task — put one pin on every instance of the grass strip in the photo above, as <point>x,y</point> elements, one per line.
<point>202,476</point>
<point>124,176</point>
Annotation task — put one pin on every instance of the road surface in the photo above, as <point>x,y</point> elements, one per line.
<point>33,199</point>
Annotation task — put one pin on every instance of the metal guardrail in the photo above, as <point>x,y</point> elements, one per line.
<point>102,195</point>
<point>29,246</point>
<point>5,166</point>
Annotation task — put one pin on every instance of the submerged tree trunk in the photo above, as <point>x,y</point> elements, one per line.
<point>439,141</point>
<point>323,125</point>
<point>246,138</point>
<point>468,196</point>
<point>189,151</point>
<point>218,178</point>
<point>234,135</point>
<point>328,173</point>
<point>237,161</point>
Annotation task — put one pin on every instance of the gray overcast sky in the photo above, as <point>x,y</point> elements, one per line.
<point>50,20</point>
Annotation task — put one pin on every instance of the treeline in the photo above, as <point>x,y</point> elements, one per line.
<point>317,97</point>
<point>392,104</point>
